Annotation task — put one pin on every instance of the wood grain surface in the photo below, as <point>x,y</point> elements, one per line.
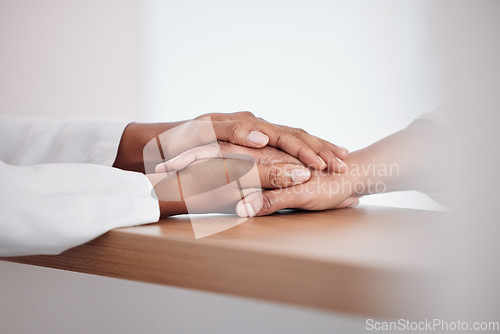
<point>365,260</point>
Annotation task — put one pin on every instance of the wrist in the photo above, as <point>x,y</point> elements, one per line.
<point>166,189</point>
<point>168,208</point>
<point>134,139</point>
<point>364,174</point>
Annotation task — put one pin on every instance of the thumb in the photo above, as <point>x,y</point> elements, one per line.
<point>267,202</point>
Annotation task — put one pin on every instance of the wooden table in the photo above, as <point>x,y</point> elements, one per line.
<point>365,260</point>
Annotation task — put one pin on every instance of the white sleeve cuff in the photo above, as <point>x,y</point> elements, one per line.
<point>145,206</point>
<point>109,140</point>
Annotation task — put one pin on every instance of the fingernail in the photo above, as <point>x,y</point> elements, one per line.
<point>258,138</point>
<point>343,164</point>
<point>244,210</point>
<point>301,174</point>
<point>160,168</point>
<point>322,164</point>
<point>355,202</point>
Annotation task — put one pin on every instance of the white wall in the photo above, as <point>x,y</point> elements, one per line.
<point>65,58</point>
<point>350,71</point>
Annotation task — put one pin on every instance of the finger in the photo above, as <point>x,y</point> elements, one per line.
<point>333,162</point>
<point>270,201</point>
<point>238,128</point>
<point>328,154</point>
<point>266,155</point>
<point>349,203</point>
<point>211,174</point>
<point>210,151</point>
<point>267,202</point>
<point>240,115</point>
<point>282,175</point>
<point>339,151</point>
<point>258,133</point>
<point>245,129</point>
<point>186,136</point>
<point>240,133</point>
<point>260,176</point>
<point>286,140</point>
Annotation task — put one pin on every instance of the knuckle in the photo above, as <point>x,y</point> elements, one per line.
<point>202,116</point>
<point>300,131</point>
<point>324,152</point>
<point>245,114</point>
<point>274,177</point>
<point>301,153</point>
<point>282,138</point>
<point>233,128</point>
<point>268,203</point>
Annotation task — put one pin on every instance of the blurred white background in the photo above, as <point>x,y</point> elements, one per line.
<point>348,71</point>
<point>351,72</point>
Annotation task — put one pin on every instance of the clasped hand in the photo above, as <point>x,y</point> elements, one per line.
<point>239,163</point>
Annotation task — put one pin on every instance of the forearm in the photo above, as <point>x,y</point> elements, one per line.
<point>410,159</point>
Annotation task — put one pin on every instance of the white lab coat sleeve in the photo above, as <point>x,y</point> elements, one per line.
<point>53,193</point>
<point>33,140</point>
<point>49,208</point>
